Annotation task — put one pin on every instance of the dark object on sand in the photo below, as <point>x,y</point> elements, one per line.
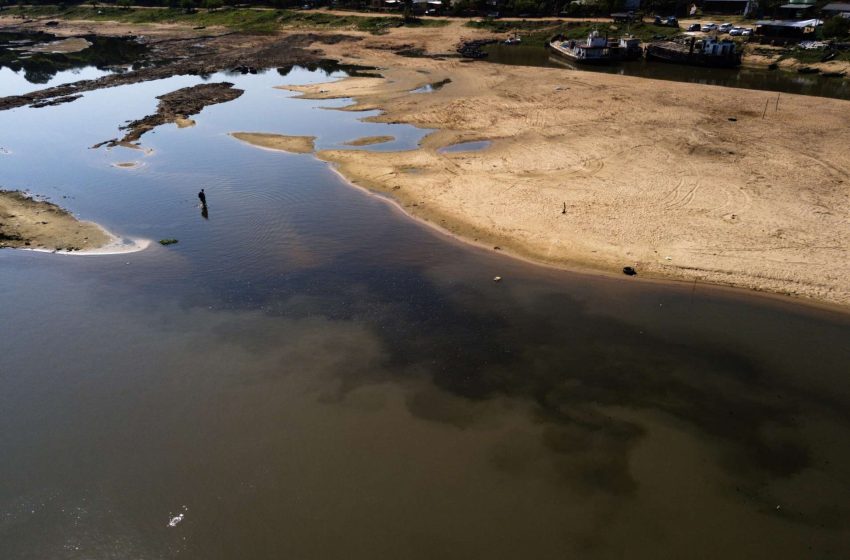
<point>807,70</point>
<point>733,119</point>
<point>772,66</point>
<point>629,271</point>
<point>167,241</point>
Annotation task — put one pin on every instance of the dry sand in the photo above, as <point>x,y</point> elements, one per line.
<point>33,224</point>
<point>653,174</point>
<point>279,142</point>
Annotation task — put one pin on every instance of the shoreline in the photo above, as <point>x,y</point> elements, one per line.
<point>810,305</point>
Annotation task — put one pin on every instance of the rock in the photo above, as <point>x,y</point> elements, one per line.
<point>629,271</point>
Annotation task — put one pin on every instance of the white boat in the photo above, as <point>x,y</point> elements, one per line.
<point>597,49</point>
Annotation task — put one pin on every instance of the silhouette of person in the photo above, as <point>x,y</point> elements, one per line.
<point>203,198</point>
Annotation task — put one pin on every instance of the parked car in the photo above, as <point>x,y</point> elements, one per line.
<point>747,31</point>
<point>735,31</point>
<point>694,27</point>
<point>669,21</point>
<point>725,28</point>
<point>708,27</point>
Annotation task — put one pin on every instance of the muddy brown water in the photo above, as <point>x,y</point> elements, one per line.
<point>308,373</point>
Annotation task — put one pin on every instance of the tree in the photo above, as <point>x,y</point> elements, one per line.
<point>836,27</point>
<point>213,5</point>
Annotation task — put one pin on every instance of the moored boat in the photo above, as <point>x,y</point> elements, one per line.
<point>597,49</point>
<point>704,52</point>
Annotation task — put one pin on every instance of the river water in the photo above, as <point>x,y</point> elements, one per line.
<point>309,373</point>
<point>744,77</point>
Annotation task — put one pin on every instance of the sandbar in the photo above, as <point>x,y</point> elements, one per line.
<point>36,224</point>
<point>279,142</point>
<point>370,140</point>
<point>588,170</point>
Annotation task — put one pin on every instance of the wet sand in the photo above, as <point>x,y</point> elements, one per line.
<point>279,142</point>
<point>735,187</point>
<point>370,141</point>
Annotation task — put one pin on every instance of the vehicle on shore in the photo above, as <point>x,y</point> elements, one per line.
<point>597,49</point>
<point>703,52</point>
<point>694,27</point>
<point>708,27</point>
<point>725,28</point>
<point>670,21</point>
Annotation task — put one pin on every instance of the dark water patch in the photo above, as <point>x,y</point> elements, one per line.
<point>430,88</point>
<point>744,77</point>
<point>41,67</point>
<point>329,67</point>
<point>475,146</point>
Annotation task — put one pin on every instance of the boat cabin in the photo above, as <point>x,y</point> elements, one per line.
<point>712,47</point>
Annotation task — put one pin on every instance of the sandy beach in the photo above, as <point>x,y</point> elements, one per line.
<point>728,186</point>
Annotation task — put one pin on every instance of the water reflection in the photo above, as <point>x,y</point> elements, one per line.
<point>744,77</point>
<point>314,375</point>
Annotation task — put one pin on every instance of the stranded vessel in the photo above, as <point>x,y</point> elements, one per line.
<point>597,49</point>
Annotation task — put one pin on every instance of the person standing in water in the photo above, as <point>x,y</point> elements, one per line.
<point>203,198</point>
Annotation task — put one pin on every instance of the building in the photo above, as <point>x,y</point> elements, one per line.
<point>797,9</point>
<point>837,9</point>
<point>788,29</point>
<point>742,7</point>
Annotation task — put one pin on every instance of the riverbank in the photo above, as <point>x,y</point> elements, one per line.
<point>735,187</point>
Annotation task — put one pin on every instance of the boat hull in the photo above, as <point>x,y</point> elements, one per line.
<point>618,55</point>
<point>662,54</point>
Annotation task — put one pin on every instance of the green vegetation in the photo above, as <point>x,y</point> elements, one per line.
<point>540,32</point>
<point>169,241</point>
<point>242,19</point>
<point>810,56</point>
<point>838,27</point>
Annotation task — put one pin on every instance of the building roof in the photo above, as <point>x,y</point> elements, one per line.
<point>837,7</point>
<point>789,23</point>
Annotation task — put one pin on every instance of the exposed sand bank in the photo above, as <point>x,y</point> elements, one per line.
<point>653,174</point>
<point>370,140</point>
<point>279,142</point>
<point>33,224</point>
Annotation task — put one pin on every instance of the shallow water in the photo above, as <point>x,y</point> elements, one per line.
<point>310,374</point>
<point>744,77</point>
<point>475,146</point>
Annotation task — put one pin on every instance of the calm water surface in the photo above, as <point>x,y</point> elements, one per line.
<point>749,78</point>
<point>310,374</point>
